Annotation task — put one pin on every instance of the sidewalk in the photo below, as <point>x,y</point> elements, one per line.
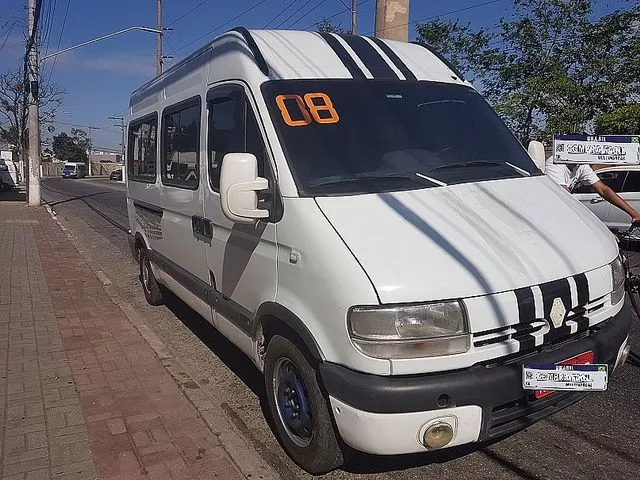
<point>82,395</point>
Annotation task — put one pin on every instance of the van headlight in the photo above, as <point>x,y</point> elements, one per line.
<point>410,331</point>
<point>617,272</point>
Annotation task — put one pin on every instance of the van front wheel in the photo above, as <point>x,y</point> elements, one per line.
<point>150,286</point>
<point>299,410</point>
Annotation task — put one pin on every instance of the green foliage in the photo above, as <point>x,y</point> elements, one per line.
<point>552,67</point>
<point>463,47</point>
<point>70,149</point>
<point>622,120</point>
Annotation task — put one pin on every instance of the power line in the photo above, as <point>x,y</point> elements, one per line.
<point>64,22</point>
<point>8,35</point>
<point>256,5</point>
<point>309,13</point>
<point>50,27</point>
<point>294,13</point>
<point>185,14</point>
<point>336,14</point>
<point>280,13</point>
<point>470,7</point>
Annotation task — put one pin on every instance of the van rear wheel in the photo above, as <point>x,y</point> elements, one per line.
<point>150,286</point>
<point>299,410</point>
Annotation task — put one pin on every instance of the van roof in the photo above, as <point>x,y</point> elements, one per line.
<point>288,54</point>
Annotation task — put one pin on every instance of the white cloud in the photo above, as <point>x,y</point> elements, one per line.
<point>136,65</point>
<point>121,63</point>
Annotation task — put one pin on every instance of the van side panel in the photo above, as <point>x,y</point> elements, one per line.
<point>319,280</point>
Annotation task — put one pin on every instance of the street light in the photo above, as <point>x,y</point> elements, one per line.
<point>104,37</point>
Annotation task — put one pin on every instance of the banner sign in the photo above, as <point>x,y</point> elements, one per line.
<point>594,149</point>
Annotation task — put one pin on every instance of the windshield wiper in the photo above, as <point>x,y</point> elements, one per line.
<point>414,177</point>
<point>480,163</point>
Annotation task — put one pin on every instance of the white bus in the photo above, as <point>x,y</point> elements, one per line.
<point>353,216</point>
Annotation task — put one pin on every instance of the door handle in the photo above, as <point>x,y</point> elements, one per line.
<point>596,200</point>
<point>202,226</point>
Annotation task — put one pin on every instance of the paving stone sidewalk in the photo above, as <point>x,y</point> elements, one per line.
<point>82,395</point>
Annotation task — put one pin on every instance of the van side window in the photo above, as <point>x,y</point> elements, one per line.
<point>141,155</point>
<point>180,145</point>
<point>233,128</point>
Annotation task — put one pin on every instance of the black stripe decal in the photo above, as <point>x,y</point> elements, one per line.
<point>526,314</point>
<point>583,288</point>
<point>374,62</point>
<point>583,323</point>
<point>395,59</point>
<point>343,55</point>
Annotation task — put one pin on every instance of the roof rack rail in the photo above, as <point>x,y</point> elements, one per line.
<point>451,66</point>
<point>253,46</point>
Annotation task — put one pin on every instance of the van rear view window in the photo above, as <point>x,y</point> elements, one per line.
<point>141,156</point>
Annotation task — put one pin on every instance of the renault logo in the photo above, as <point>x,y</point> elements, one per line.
<point>558,312</point>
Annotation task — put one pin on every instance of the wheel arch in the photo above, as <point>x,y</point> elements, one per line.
<point>275,319</point>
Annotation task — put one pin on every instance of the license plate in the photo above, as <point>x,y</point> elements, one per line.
<point>574,374</point>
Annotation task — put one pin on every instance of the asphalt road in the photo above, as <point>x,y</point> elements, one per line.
<point>597,438</point>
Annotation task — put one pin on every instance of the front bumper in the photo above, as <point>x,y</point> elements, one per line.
<point>386,415</point>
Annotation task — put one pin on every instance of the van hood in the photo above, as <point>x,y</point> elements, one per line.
<point>469,239</point>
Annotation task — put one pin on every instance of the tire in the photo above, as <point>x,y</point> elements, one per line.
<point>150,286</point>
<point>307,433</point>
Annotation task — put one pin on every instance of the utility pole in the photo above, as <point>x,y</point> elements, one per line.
<point>159,58</point>
<point>354,16</point>
<point>392,19</point>
<point>121,126</point>
<point>90,146</point>
<point>31,63</point>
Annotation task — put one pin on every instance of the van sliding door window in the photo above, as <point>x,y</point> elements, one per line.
<point>232,129</point>
<point>180,145</point>
<point>142,150</point>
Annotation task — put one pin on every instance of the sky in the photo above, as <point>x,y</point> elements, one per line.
<point>100,77</point>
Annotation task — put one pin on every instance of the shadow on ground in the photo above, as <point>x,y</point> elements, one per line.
<point>241,366</point>
<point>13,196</point>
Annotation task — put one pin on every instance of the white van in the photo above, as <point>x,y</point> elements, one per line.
<point>74,170</point>
<point>353,216</point>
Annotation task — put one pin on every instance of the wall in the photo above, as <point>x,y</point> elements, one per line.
<point>97,168</point>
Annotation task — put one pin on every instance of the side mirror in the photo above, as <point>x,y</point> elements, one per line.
<point>239,183</point>
<point>536,152</point>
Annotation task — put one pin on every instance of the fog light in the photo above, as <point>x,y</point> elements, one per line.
<point>437,436</point>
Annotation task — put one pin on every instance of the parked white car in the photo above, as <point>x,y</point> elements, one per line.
<point>625,181</point>
<point>353,216</point>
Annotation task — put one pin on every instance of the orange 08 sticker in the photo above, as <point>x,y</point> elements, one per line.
<point>315,102</point>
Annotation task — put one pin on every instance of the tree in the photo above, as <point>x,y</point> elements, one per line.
<point>463,47</point>
<point>553,67</point>
<point>13,111</point>
<point>622,120</point>
<point>68,149</point>
<point>325,26</point>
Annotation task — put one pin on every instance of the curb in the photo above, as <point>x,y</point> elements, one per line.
<point>237,447</point>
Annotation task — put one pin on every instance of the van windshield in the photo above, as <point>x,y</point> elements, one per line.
<point>351,137</point>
